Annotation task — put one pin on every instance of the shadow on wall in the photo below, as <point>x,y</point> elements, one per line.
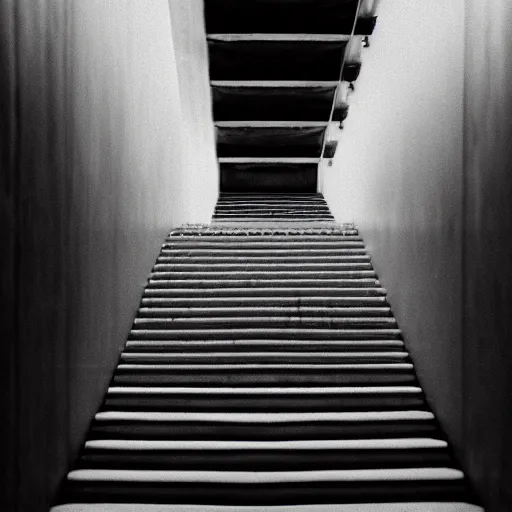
<point>97,178</point>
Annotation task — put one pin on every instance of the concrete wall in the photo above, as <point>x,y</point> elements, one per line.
<point>423,168</point>
<point>94,153</point>
<point>189,38</point>
<point>487,263</point>
<point>398,175</point>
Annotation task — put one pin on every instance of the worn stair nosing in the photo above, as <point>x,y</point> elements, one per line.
<point>252,366</point>
<point>350,444</point>
<point>266,417</point>
<point>292,342</point>
<point>355,507</point>
<point>241,390</point>
<point>270,477</point>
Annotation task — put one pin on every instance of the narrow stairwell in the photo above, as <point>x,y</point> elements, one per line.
<point>265,371</point>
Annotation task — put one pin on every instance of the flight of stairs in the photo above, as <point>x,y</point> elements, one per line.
<point>280,72</point>
<point>260,209</point>
<point>265,371</point>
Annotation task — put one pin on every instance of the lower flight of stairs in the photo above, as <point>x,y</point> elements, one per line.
<point>265,369</point>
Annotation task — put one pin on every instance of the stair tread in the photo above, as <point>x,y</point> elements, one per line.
<point>364,507</point>
<point>347,390</point>
<point>262,417</point>
<point>253,366</point>
<point>261,477</point>
<point>344,444</point>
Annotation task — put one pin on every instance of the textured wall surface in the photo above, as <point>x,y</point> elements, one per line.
<point>94,169</point>
<point>398,175</point>
<point>424,169</point>
<point>487,294</point>
<point>189,38</point>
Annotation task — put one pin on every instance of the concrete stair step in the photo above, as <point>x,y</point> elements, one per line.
<point>341,262</point>
<point>162,312</point>
<point>263,399</point>
<point>263,375</point>
<point>270,245</point>
<point>274,266</point>
<point>265,455</point>
<point>288,240</point>
<point>359,507</point>
<point>267,302</point>
<point>203,332</point>
<point>298,321</point>
<point>349,290</point>
<point>265,358</point>
<point>274,282</point>
<point>288,346</point>
<point>256,274</point>
<point>236,487</point>
<point>263,426</point>
<point>263,252</point>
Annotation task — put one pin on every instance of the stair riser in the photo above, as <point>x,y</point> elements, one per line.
<point>264,312</point>
<point>311,358</point>
<point>273,213</point>
<point>261,379</point>
<point>284,302</point>
<point>255,249</point>
<point>271,242</point>
<point>296,322</point>
<point>366,268</point>
<point>277,494</point>
<point>293,17</point>
<point>267,345</point>
<point>259,274</point>
<point>261,431</point>
<point>276,259</point>
<point>254,293</point>
<point>271,460</point>
<point>274,284</point>
<point>255,333</point>
<point>262,403</point>
<point>275,60</point>
<point>268,254</point>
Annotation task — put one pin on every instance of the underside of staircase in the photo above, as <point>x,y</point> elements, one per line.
<point>280,77</point>
<point>264,370</point>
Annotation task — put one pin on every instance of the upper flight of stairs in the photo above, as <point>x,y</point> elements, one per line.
<point>265,368</point>
<point>259,209</point>
<point>279,71</point>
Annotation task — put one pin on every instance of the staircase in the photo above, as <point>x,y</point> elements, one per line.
<point>263,209</point>
<point>279,73</point>
<point>265,368</point>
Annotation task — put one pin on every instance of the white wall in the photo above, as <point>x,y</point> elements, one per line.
<point>398,175</point>
<point>202,174</point>
<point>424,170</point>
